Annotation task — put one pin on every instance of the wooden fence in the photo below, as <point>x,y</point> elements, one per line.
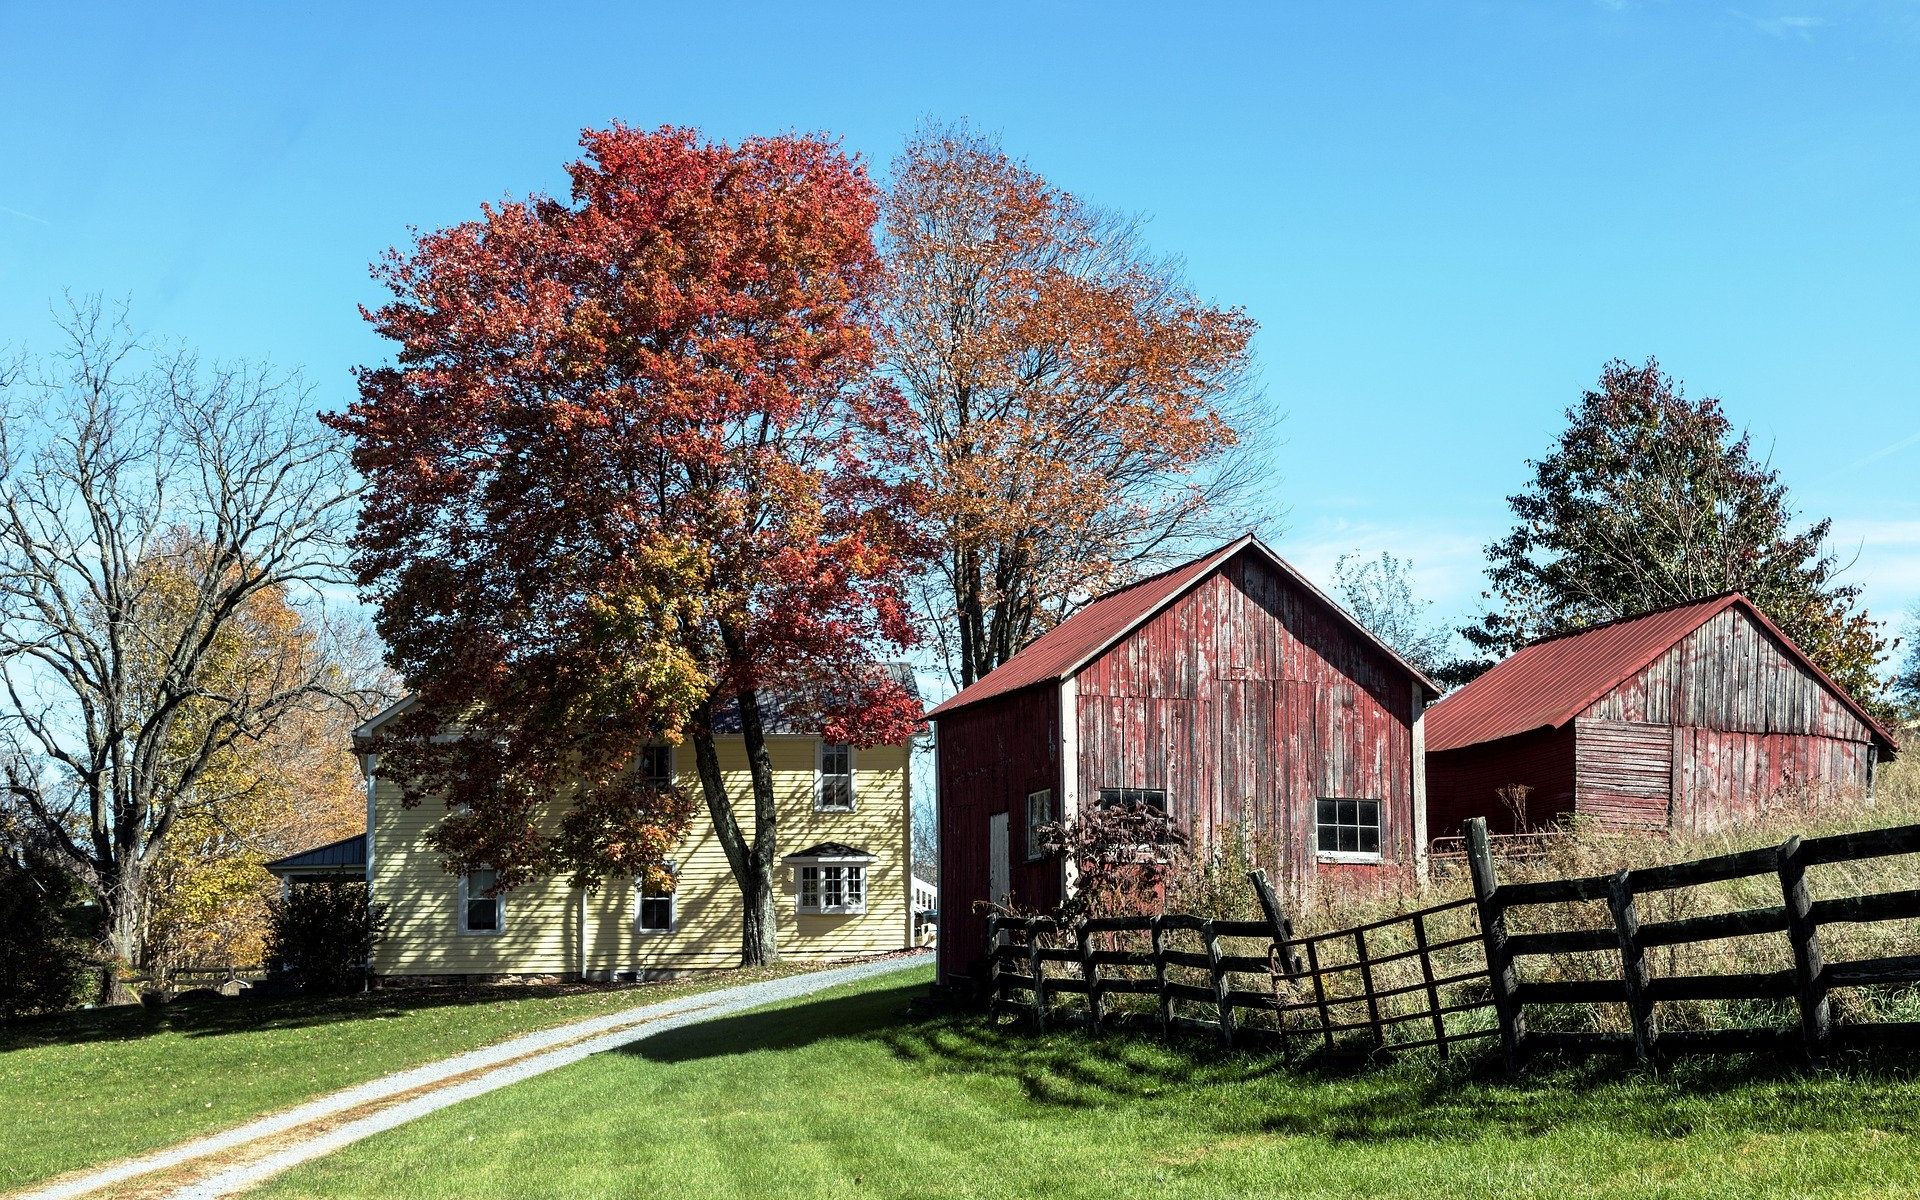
<point>1457,971</point>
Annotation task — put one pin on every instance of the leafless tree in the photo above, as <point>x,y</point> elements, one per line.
<point>114,457</point>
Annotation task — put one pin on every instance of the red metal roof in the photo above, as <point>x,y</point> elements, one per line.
<point>1076,641</point>
<point>1552,681</point>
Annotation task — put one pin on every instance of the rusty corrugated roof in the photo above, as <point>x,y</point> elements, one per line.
<point>1076,641</point>
<point>1552,681</point>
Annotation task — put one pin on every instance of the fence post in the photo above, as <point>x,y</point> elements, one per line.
<point>1633,964</point>
<point>1320,995</point>
<point>1366,981</point>
<point>1038,966</point>
<point>1433,991</point>
<point>1090,971</point>
<point>1282,928</point>
<point>1160,973</point>
<point>1493,934</point>
<point>993,964</point>
<point>1219,978</point>
<point>1809,964</point>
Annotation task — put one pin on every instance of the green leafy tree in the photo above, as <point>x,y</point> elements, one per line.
<point>1379,593</point>
<point>1649,499</point>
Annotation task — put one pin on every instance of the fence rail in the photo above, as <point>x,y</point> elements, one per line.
<point>1455,972</point>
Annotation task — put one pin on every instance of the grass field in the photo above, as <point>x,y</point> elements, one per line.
<point>837,1096</point>
<point>94,1086</point>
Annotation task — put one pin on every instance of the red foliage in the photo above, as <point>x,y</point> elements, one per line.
<point>632,459</point>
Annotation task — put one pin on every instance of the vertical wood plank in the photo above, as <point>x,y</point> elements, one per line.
<point>1633,964</point>
<point>1090,971</point>
<point>1421,943</point>
<point>1289,959</point>
<point>1160,972</point>
<point>1037,966</point>
<point>1220,987</point>
<point>1504,978</point>
<point>994,984</point>
<point>1320,995</point>
<point>1809,965</point>
<point>1366,981</point>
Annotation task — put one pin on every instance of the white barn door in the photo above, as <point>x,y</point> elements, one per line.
<point>999,878</point>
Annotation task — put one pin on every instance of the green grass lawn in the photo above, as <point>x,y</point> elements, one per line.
<point>98,1085</point>
<point>837,1096</point>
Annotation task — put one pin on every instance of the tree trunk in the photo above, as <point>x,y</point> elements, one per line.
<point>752,862</point>
<point>125,908</point>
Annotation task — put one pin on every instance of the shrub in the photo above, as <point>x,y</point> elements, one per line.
<point>323,933</point>
<point>45,952</point>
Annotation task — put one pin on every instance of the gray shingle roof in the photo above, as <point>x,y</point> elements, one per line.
<point>830,850</point>
<point>347,854</point>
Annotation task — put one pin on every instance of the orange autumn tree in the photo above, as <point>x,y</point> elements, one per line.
<point>1078,414</point>
<point>292,784</point>
<point>631,479</point>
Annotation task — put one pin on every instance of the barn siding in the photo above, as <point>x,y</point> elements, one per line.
<point>1466,782</point>
<point>1247,700</point>
<point>989,756</point>
<point>1739,720</point>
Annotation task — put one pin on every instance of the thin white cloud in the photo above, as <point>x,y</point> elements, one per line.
<point>1782,26</point>
<point>14,212</point>
<point>1893,447</point>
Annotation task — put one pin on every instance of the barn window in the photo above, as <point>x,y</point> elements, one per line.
<point>1039,815</point>
<point>479,912</point>
<point>1126,797</point>
<point>1348,827</point>
<point>654,902</point>
<point>833,779</point>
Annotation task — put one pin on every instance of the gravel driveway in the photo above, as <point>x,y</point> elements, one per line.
<point>246,1155</point>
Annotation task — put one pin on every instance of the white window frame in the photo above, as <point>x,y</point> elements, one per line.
<point>672,898</point>
<point>499,909</point>
<point>820,780</point>
<point>855,868</point>
<point>1352,856</point>
<point>1045,796</point>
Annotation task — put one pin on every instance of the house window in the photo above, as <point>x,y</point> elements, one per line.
<point>654,901</point>
<point>833,888</point>
<point>1350,827</point>
<point>479,912</point>
<point>833,779</point>
<point>1155,798</point>
<point>656,766</point>
<point>1039,815</point>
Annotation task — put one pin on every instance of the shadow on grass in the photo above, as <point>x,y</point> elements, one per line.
<point>213,1017</point>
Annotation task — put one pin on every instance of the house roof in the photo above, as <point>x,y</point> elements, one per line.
<point>780,713</point>
<point>1060,652</point>
<point>1550,682</point>
<point>829,850</point>
<point>347,854</point>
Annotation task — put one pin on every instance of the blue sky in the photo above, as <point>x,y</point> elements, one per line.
<point>1444,216</point>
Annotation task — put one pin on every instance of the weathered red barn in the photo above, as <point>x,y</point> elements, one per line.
<point>1687,718</point>
<point>1227,690</point>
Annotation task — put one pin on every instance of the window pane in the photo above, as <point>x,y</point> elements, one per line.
<point>1349,813</point>
<point>656,912</point>
<point>1329,838</point>
<point>1370,841</point>
<point>1370,813</point>
<point>1326,812</point>
<point>856,884</point>
<point>810,887</point>
<point>1349,838</point>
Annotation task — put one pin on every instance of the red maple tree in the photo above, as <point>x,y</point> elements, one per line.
<point>630,477</point>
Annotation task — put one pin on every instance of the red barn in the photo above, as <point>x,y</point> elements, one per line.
<point>1227,690</point>
<point>1687,718</point>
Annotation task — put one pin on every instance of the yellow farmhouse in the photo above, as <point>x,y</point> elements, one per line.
<point>845,885</point>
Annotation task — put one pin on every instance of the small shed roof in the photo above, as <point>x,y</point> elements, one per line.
<point>346,855</point>
<point>1084,636</point>
<point>1552,681</point>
